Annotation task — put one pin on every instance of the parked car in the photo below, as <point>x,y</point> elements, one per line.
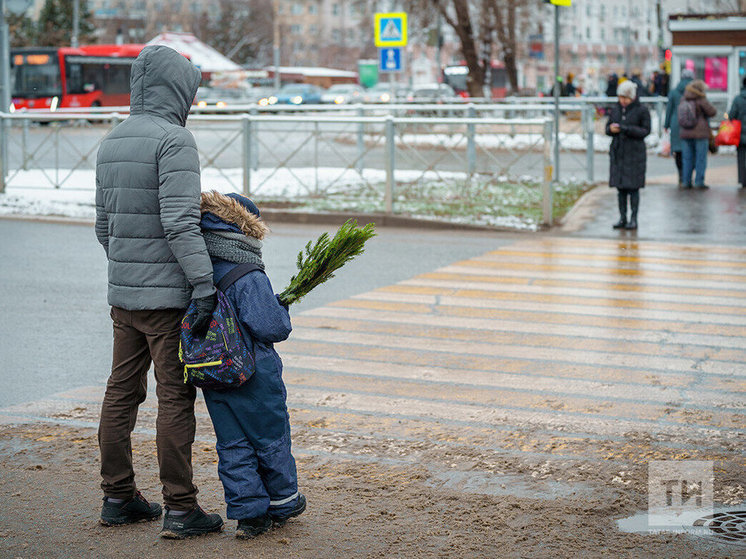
<point>209,98</point>
<point>296,94</point>
<point>382,93</point>
<point>431,93</point>
<point>342,93</point>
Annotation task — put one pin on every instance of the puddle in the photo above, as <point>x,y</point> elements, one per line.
<point>723,524</point>
<point>485,483</point>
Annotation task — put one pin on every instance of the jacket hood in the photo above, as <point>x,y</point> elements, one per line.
<point>695,90</point>
<point>163,83</point>
<point>682,84</point>
<point>225,213</point>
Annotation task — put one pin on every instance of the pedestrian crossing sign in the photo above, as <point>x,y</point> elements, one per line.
<point>391,29</point>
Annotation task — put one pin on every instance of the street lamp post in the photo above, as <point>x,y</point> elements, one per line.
<point>276,42</point>
<point>4,93</point>
<point>556,89</point>
<point>76,25</point>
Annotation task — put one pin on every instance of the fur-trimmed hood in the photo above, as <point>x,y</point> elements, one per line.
<point>226,213</point>
<point>695,90</point>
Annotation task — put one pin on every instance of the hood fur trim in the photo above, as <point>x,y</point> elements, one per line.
<point>231,211</point>
<point>695,89</point>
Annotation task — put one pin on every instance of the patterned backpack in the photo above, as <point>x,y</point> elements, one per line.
<point>221,359</point>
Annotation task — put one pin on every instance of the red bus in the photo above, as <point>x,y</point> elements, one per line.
<point>87,76</point>
<point>497,79</point>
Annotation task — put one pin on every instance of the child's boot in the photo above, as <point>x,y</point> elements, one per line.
<point>280,518</point>
<point>251,527</point>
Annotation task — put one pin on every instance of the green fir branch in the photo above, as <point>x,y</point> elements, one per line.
<point>326,256</point>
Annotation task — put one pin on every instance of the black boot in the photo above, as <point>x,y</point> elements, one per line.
<point>135,509</point>
<point>252,527</point>
<point>621,197</point>
<point>194,523</point>
<point>634,198</point>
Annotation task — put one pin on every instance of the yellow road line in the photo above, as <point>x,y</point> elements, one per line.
<point>472,269</point>
<point>647,288</point>
<point>454,290</point>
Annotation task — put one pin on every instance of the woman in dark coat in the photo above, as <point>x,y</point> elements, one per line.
<point>738,112</point>
<point>628,124</point>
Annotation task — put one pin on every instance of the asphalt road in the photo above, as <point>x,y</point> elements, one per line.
<point>57,333</point>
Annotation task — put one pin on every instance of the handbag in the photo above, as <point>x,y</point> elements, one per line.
<point>729,133</point>
<point>713,147</point>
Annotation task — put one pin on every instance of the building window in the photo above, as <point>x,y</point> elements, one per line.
<point>296,29</point>
<point>313,9</point>
<point>336,35</point>
<point>297,9</point>
<point>587,32</point>
<point>335,9</point>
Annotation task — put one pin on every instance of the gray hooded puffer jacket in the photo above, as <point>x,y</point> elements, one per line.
<point>148,191</point>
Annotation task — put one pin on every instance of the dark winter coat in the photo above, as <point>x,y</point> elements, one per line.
<point>738,112</point>
<point>695,91</point>
<point>148,191</point>
<point>627,153</point>
<point>251,422</point>
<point>258,310</point>
<point>672,122</point>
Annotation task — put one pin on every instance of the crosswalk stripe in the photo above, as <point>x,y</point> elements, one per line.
<point>495,332</point>
<point>537,323</point>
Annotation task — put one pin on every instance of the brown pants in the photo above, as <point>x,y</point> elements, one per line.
<point>139,338</point>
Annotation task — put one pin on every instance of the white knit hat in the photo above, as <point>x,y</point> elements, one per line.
<point>627,89</point>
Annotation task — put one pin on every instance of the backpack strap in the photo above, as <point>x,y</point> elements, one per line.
<point>234,274</point>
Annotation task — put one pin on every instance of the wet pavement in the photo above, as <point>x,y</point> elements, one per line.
<point>667,213</point>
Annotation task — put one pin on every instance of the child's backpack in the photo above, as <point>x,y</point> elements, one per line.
<point>220,359</point>
<point>687,113</point>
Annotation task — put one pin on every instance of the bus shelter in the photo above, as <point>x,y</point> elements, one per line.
<point>714,48</point>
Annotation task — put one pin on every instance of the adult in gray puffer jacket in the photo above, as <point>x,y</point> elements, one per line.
<point>147,219</point>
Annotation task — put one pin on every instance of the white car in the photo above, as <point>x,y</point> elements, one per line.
<point>431,93</point>
<point>343,93</point>
<point>382,93</point>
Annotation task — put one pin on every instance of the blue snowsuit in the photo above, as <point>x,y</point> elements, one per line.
<point>251,422</point>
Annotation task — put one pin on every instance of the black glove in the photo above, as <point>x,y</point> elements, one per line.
<point>204,307</point>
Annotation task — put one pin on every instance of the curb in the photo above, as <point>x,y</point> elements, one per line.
<point>322,218</point>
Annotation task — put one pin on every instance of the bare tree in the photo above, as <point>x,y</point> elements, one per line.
<point>485,28</point>
<point>505,18</point>
<point>241,29</point>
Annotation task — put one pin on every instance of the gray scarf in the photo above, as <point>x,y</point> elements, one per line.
<point>234,247</point>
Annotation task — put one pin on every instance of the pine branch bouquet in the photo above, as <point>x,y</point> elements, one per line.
<point>325,257</point>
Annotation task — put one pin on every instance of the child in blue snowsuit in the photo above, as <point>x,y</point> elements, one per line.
<point>251,422</point>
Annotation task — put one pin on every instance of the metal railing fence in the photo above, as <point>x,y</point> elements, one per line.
<point>387,163</point>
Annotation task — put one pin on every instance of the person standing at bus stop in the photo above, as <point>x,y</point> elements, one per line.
<point>147,219</point>
<point>738,112</point>
<point>695,135</point>
<point>671,122</point>
<point>628,124</point>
